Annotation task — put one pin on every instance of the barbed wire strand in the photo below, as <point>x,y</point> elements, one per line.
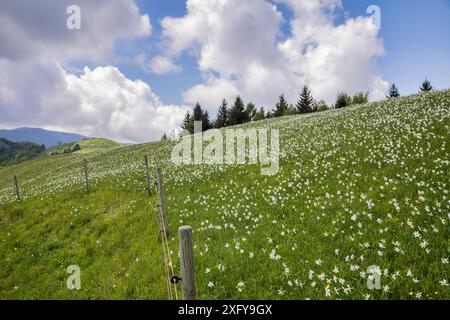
<point>166,268</point>
<point>167,250</point>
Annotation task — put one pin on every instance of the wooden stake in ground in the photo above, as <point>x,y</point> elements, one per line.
<point>162,206</point>
<point>86,178</point>
<point>187,264</point>
<point>147,176</point>
<point>16,184</point>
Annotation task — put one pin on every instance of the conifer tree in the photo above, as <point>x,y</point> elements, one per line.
<point>222,116</point>
<point>206,122</point>
<point>393,92</point>
<point>426,86</point>
<point>306,101</point>
<point>237,112</point>
<point>188,123</point>
<point>280,108</point>
<point>200,115</point>
<point>198,112</point>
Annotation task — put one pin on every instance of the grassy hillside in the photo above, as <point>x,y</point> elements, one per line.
<point>366,185</point>
<point>18,152</point>
<point>87,146</point>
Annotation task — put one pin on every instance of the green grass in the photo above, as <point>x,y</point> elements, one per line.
<point>367,185</point>
<point>87,146</point>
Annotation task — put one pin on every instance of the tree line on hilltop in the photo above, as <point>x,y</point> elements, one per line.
<point>240,112</point>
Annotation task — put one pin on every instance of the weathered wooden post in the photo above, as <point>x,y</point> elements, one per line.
<point>187,264</point>
<point>147,176</point>
<point>17,188</point>
<point>162,206</point>
<point>86,178</point>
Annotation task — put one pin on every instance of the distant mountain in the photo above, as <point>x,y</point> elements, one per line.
<point>40,136</point>
<point>17,152</point>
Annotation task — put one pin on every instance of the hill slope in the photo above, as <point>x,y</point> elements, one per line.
<point>86,145</point>
<point>14,153</point>
<point>362,186</point>
<point>40,136</point>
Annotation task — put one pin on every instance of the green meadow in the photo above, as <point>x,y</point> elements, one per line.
<point>358,187</point>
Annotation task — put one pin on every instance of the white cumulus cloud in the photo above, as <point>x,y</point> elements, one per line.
<point>37,49</point>
<point>159,65</point>
<point>106,103</point>
<point>239,50</point>
<point>210,93</point>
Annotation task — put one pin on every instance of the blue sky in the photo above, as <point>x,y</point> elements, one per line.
<point>415,35</point>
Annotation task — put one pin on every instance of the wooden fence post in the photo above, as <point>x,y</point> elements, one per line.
<point>86,178</point>
<point>17,188</point>
<point>187,264</point>
<point>147,176</point>
<point>162,206</point>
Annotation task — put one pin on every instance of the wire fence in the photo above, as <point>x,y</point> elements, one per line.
<point>154,196</point>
